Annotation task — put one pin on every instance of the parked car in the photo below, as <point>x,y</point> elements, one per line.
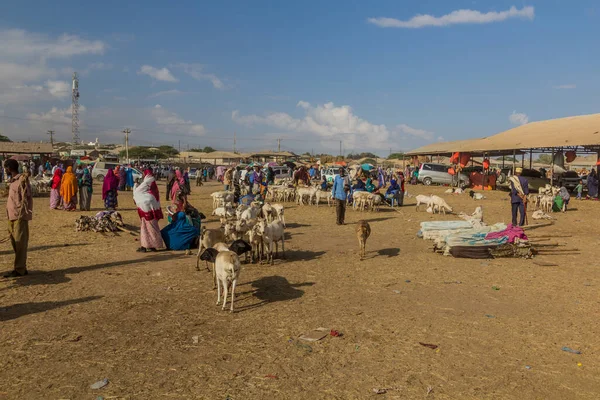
<point>281,172</point>
<point>193,174</point>
<point>534,177</point>
<point>568,179</point>
<point>331,173</point>
<point>430,173</point>
<point>101,169</point>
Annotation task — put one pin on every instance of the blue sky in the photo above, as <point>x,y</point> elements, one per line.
<point>374,75</point>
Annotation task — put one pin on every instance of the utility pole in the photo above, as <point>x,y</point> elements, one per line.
<point>278,145</point>
<point>127,131</point>
<point>234,142</point>
<point>51,133</point>
<point>340,148</point>
<point>179,145</point>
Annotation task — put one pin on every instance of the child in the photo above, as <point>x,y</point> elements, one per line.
<point>579,189</point>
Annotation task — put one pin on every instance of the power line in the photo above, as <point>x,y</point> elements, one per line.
<point>51,133</point>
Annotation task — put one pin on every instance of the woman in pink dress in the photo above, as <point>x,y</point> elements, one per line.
<point>146,198</point>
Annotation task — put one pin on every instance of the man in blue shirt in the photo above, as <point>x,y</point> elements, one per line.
<point>341,186</point>
<point>519,189</point>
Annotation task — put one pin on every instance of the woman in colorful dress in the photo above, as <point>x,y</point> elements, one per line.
<point>85,190</point>
<point>122,177</point>
<point>179,192</point>
<point>55,199</point>
<point>68,190</point>
<point>109,190</point>
<point>147,199</point>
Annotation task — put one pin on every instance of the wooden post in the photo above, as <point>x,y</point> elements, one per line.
<point>503,161</point>
<point>552,169</point>
<point>530,158</point>
<point>514,161</point>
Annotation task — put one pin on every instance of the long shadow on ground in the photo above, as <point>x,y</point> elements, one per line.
<point>60,276</point>
<point>46,247</point>
<point>22,309</point>
<point>270,289</point>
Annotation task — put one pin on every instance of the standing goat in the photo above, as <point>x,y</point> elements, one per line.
<point>363,231</point>
<point>272,233</point>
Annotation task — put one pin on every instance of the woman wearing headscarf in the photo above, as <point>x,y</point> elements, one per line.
<point>55,199</point>
<point>147,199</point>
<point>129,182</point>
<point>380,178</point>
<point>178,192</point>
<point>592,184</point>
<point>122,176</point>
<point>109,190</point>
<point>68,190</point>
<point>85,190</point>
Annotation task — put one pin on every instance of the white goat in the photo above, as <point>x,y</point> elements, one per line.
<point>422,199</point>
<point>305,191</point>
<point>279,213</point>
<point>224,212</point>
<point>439,204</point>
<point>208,238</point>
<point>272,233</point>
<point>227,272</point>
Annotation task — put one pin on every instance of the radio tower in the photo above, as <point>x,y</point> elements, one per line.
<point>75,110</point>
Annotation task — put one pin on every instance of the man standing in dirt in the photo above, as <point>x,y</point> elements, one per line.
<point>341,186</point>
<point>519,189</point>
<point>19,207</point>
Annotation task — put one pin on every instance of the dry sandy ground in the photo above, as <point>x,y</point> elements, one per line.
<point>93,308</point>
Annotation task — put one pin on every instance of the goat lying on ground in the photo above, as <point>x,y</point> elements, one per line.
<point>363,231</point>
<point>227,268</point>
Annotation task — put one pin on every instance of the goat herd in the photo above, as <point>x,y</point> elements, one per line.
<point>255,230</point>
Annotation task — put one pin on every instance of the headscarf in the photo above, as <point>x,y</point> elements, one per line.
<point>153,186</point>
<point>111,182</point>
<point>393,186</point>
<point>146,198</point>
<point>68,185</point>
<point>56,179</point>
<point>177,184</point>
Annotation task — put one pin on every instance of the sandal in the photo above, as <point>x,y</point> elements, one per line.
<point>141,250</point>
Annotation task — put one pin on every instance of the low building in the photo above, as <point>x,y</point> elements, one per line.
<point>214,158</point>
<point>273,156</point>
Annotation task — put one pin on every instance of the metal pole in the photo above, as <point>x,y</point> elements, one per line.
<point>51,133</point>
<point>127,131</point>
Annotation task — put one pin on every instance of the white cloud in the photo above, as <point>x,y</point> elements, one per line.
<point>330,123</point>
<point>518,118</point>
<point>196,71</point>
<point>171,92</point>
<point>455,17</point>
<point>162,74</point>
<point>60,116</point>
<point>59,89</point>
<point>419,133</point>
<point>569,86</point>
<point>173,123</point>
<point>14,74</point>
<point>19,43</point>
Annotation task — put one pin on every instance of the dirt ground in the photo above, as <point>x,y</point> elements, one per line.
<point>93,308</point>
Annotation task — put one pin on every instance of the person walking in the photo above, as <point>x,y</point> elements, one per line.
<point>147,199</point>
<point>109,191</point>
<point>341,186</point>
<point>579,189</point>
<point>85,190</point>
<point>68,190</point>
<point>519,189</point>
<point>55,199</point>
<point>19,210</point>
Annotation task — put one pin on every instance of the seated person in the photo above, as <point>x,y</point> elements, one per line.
<point>324,183</point>
<point>369,187</point>
<point>393,188</point>
<point>181,233</point>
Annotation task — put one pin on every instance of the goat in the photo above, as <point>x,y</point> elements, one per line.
<point>439,204</point>
<point>279,213</point>
<point>227,270</point>
<point>321,194</point>
<point>363,231</point>
<point>222,197</point>
<point>359,199</point>
<point>546,203</point>
<point>223,212</point>
<point>374,201</point>
<point>305,191</point>
<point>476,196</point>
<point>422,199</point>
<point>268,212</point>
<point>208,238</point>
<point>272,233</point>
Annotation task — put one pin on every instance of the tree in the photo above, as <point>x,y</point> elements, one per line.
<point>4,138</point>
<point>358,156</point>
<point>545,159</point>
<point>168,150</point>
<point>208,149</point>
<point>149,152</point>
